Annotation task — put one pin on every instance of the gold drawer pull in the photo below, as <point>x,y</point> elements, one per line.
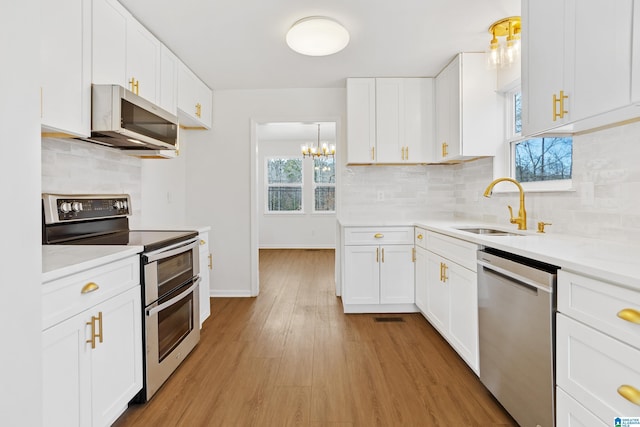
<point>630,315</point>
<point>89,287</point>
<point>378,235</point>
<point>630,393</point>
<point>202,242</point>
<point>419,236</point>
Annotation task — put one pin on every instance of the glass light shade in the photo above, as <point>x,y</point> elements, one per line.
<point>317,36</point>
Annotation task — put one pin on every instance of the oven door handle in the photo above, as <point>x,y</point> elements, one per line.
<point>171,251</point>
<point>154,310</point>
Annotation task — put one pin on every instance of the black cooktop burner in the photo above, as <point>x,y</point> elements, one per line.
<point>150,239</point>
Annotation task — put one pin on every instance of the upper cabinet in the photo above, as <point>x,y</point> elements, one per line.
<point>390,120</point>
<point>168,95</point>
<point>578,76</point>
<point>468,110</point>
<point>124,52</point>
<point>66,67</point>
<point>635,70</point>
<point>195,100</point>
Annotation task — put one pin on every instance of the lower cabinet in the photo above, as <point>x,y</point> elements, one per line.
<point>92,361</point>
<point>378,278</point>
<point>206,264</point>
<point>452,294</point>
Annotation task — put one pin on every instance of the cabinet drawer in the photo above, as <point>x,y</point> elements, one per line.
<point>421,237</point>
<point>592,366</point>
<point>599,304</point>
<point>456,250</point>
<point>63,298</point>
<point>570,413</point>
<point>378,235</point>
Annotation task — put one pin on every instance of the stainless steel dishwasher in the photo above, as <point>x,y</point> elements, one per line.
<point>516,308</point>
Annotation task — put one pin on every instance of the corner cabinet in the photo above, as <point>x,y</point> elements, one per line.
<point>578,76</point>
<point>598,325</point>
<point>66,68</point>
<point>92,344</point>
<point>468,110</point>
<point>451,304</point>
<point>206,265</point>
<point>195,100</point>
<point>389,120</point>
<point>378,270</point>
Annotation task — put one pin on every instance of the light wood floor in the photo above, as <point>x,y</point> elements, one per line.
<point>291,357</point>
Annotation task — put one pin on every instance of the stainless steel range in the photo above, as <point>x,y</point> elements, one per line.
<point>169,273</point>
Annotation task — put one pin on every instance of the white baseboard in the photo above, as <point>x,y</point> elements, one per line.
<point>229,293</point>
<point>301,246</point>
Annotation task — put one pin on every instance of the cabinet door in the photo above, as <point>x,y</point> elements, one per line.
<point>116,362</point>
<point>448,111</point>
<point>361,275</point>
<point>421,279</point>
<point>463,329</point>
<point>66,66</point>
<point>109,43</point>
<point>598,60</point>
<point>543,59</point>
<point>419,120</point>
<point>389,120</point>
<point>570,413</point>
<point>143,60</point>
<point>437,294</point>
<point>397,284</point>
<point>194,100</point>
<point>205,267</point>
<point>168,88</point>
<point>361,123</point>
<point>635,54</point>
<point>66,387</point>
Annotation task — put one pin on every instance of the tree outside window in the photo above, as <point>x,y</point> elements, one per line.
<point>324,180</point>
<point>284,185</point>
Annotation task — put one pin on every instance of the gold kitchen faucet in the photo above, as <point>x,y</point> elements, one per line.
<point>521,219</point>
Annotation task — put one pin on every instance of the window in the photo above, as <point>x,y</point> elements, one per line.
<point>543,163</point>
<point>324,184</point>
<point>284,185</point>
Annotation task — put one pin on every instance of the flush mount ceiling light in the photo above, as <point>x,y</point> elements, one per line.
<point>507,53</point>
<point>317,36</point>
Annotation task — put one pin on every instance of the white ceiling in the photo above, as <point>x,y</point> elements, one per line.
<point>240,44</point>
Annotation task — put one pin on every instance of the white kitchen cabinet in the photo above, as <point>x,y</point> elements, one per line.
<point>579,71</point>
<point>421,280</point>
<point>195,100</point>
<point>390,120</point>
<point>378,270</point>
<point>206,265</point>
<point>570,413</point>
<point>66,67</point>
<point>168,88</point>
<point>635,55</point>
<point>92,353</point>
<point>468,110</point>
<point>452,294</point>
<point>597,325</point>
<point>124,51</point>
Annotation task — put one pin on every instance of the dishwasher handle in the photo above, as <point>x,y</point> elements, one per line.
<point>514,276</point>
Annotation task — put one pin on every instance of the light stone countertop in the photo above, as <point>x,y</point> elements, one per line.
<point>63,260</point>
<point>610,261</point>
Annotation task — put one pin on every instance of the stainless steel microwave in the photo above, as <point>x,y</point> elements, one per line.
<point>121,119</point>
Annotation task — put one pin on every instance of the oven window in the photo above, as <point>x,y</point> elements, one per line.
<point>174,322</point>
<point>174,271</point>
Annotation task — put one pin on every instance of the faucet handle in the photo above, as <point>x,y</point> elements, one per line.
<point>512,220</point>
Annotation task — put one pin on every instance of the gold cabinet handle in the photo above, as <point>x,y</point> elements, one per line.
<point>419,236</point>
<point>378,235</point>
<point>445,153</point>
<point>382,254</point>
<point>377,254</point>
<point>210,261</point>
<point>630,393</point>
<point>413,254</point>
<point>198,110</point>
<point>406,153</point>
<point>135,85</point>
<point>559,100</point>
<point>373,153</point>
<point>89,287</point>
<point>202,242</point>
<point>443,272</point>
<point>630,315</point>
<point>441,265</point>
<point>92,323</point>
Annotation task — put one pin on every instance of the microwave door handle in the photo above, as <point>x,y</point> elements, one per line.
<point>171,251</point>
<point>154,310</point>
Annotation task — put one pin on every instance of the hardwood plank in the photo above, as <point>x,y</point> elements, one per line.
<point>292,357</point>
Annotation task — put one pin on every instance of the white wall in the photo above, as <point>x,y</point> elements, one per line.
<point>219,171</point>
<point>20,265</point>
<point>292,230</point>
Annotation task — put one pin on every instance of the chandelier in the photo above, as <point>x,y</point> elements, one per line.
<point>507,53</point>
<point>319,150</point>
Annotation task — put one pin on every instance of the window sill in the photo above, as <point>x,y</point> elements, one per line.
<point>562,186</point>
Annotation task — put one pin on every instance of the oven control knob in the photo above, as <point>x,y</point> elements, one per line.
<point>65,207</point>
<point>76,206</point>
<point>118,204</point>
<point>125,205</point>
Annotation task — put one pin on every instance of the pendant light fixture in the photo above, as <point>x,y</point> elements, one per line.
<point>317,36</point>
<point>324,150</point>
<point>506,53</point>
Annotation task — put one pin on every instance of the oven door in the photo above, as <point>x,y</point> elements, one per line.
<point>169,268</point>
<point>172,331</point>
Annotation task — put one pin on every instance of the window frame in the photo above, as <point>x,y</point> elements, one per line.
<point>507,168</point>
<point>327,185</point>
<point>267,185</point>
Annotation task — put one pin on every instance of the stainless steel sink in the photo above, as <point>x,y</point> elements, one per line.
<point>488,231</point>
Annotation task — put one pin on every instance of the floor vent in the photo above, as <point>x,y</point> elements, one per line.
<point>388,319</point>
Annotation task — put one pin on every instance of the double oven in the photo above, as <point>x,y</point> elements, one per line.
<point>169,267</point>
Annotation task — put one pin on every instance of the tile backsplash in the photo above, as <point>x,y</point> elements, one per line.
<point>77,167</point>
